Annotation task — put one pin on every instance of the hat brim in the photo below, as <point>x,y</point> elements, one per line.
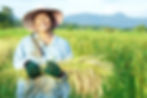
<point>28,18</point>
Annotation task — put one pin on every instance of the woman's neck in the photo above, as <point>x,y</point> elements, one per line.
<point>46,37</point>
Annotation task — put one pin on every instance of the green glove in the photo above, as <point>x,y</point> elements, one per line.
<point>53,69</point>
<point>33,70</point>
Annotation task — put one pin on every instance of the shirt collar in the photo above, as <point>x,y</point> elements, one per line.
<point>42,43</point>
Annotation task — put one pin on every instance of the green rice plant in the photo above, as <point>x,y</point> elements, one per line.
<point>127,50</point>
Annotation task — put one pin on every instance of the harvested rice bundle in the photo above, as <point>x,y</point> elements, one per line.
<point>86,74</point>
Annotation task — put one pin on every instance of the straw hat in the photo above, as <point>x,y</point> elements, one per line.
<point>28,18</point>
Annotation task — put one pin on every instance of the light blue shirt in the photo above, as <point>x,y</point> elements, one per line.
<point>57,50</point>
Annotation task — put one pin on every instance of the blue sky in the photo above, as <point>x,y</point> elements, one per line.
<point>133,8</point>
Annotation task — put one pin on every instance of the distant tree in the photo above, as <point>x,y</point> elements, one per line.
<point>109,30</point>
<point>141,28</point>
<point>69,26</point>
<point>7,18</point>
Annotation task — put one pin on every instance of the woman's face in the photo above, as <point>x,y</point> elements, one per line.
<point>42,23</point>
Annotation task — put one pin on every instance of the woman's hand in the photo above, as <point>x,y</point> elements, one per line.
<point>33,69</point>
<point>54,70</point>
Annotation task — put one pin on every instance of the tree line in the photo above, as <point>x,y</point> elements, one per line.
<point>7,18</point>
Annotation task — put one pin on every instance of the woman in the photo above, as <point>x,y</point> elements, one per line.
<point>42,45</point>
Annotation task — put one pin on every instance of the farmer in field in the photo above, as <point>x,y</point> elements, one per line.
<point>38,49</point>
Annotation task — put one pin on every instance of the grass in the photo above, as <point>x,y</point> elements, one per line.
<point>127,51</point>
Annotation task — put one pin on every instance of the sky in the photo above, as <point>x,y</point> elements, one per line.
<point>132,8</point>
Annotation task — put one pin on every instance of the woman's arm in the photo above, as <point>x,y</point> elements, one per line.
<point>19,56</point>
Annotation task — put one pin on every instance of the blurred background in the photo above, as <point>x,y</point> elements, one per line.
<point>115,30</point>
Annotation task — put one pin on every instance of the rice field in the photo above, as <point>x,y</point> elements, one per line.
<point>120,56</point>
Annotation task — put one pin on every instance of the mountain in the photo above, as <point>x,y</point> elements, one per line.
<point>118,20</point>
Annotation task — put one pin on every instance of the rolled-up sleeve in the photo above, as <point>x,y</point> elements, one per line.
<point>67,51</point>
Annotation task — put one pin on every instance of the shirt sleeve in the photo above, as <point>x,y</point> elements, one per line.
<point>19,57</point>
<point>67,52</point>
